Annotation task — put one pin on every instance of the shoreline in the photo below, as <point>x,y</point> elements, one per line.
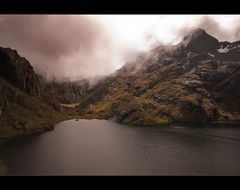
<point>45,129</point>
<point>230,122</point>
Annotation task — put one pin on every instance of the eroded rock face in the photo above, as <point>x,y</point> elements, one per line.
<point>66,92</point>
<point>18,71</point>
<point>126,110</point>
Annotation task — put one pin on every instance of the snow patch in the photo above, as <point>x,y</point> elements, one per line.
<point>223,50</point>
<point>211,55</point>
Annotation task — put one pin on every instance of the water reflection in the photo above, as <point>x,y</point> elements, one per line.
<point>105,148</point>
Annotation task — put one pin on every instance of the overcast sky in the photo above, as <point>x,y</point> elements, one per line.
<point>79,46</point>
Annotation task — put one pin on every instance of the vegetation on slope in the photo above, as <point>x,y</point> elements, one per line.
<point>26,114</point>
<point>185,85</point>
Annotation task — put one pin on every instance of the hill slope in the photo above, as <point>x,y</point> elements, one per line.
<point>25,107</point>
<point>194,81</point>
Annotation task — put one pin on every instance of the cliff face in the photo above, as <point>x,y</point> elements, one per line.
<point>24,106</point>
<point>18,71</point>
<point>66,92</point>
<point>195,81</point>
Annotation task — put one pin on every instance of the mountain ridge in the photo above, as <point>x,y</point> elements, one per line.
<point>173,85</point>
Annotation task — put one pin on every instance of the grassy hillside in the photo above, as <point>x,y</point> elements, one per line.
<point>26,113</point>
<point>193,88</point>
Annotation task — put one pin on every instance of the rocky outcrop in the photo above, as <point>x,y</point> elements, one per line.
<point>126,110</point>
<point>18,71</point>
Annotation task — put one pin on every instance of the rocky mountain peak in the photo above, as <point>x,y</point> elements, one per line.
<point>198,40</point>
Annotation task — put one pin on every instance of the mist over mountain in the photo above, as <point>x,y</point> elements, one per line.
<point>90,79</point>
<point>73,47</point>
<point>61,47</point>
<point>195,80</point>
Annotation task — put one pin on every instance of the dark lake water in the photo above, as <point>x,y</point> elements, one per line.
<point>98,147</point>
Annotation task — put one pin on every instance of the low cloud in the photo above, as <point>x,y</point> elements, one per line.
<point>61,46</point>
<point>77,46</point>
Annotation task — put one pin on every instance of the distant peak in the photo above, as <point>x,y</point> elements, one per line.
<point>198,34</point>
<point>198,31</point>
<point>198,40</point>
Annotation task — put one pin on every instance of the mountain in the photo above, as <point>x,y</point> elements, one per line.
<point>196,80</point>
<point>199,41</point>
<point>25,106</point>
